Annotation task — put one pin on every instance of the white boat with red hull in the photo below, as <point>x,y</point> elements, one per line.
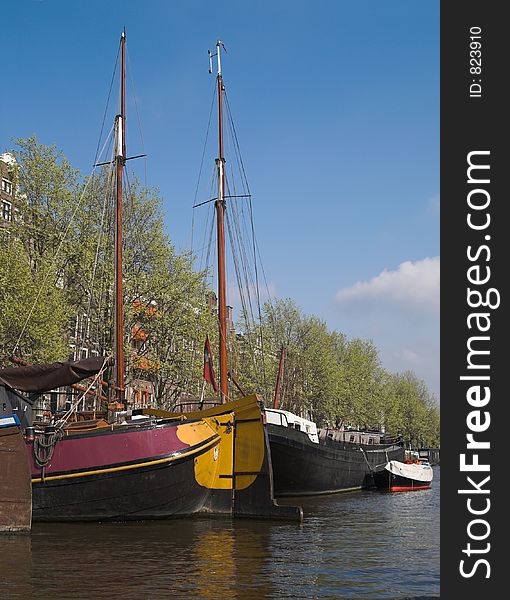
<point>406,476</point>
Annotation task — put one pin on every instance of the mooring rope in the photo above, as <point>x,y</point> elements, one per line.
<point>44,446</point>
<point>44,443</point>
<point>366,460</point>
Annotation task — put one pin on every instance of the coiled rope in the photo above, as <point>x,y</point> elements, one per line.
<point>44,443</point>
<point>44,446</point>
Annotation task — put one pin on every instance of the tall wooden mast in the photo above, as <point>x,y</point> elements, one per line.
<point>220,235</point>
<point>276,400</point>
<point>120,160</point>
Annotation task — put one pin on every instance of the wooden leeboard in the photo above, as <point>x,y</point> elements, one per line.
<point>15,483</point>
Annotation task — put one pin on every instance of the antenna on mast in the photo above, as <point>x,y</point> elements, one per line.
<point>219,44</point>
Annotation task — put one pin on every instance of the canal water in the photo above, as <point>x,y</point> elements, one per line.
<point>359,545</point>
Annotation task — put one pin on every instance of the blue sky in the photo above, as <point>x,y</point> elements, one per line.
<point>337,110</point>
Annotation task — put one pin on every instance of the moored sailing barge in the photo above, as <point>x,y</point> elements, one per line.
<point>308,461</point>
<point>216,461</point>
<point>213,461</point>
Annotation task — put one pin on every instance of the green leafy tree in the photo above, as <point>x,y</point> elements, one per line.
<point>412,411</point>
<point>57,264</point>
<point>47,191</point>
<point>166,316</point>
<point>66,229</point>
<point>331,379</point>
<point>42,337</point>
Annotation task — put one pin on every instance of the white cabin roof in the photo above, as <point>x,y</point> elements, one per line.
<point>276,416</point>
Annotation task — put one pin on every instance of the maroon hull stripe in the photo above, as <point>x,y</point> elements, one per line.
<point>84,453</point>
<point>202,446</point>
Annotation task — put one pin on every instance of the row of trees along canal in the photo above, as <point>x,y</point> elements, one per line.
<point>56,263</point>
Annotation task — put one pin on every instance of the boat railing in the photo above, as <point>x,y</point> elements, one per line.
<point>192,406</point>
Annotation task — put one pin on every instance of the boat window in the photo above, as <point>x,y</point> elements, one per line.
<point>297,426</point>
<point>352,438</point>
<point>370,440</point>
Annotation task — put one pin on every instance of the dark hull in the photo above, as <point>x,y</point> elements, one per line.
<point>81,483</point>
<point>389,482</point>
<point>301,467</point>
<point>216,461</point>
<point>152,492</point>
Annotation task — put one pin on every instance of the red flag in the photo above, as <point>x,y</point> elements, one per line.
<point>208,365</point>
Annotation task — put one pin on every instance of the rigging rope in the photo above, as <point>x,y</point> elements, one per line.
<point>240,217</point>
<point>62,421</point>
<point>130,71</point>
<point>107,195</point>
<point>245,252</point>
<point>201,166</point>
<point>44,443</point>
<point>106,107</point>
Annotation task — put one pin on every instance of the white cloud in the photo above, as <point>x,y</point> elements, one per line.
<point>413,285</point>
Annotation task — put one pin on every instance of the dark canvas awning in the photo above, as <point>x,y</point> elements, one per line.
<point>41,378</point>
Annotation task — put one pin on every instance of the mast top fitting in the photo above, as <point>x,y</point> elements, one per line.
<point>219,44</point>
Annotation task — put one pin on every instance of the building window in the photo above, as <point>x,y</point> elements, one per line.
<point>6,186</point>
<point>6,211</point>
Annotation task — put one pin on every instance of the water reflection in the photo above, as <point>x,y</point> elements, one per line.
<point>356,545</point>
<point>15,566</point>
